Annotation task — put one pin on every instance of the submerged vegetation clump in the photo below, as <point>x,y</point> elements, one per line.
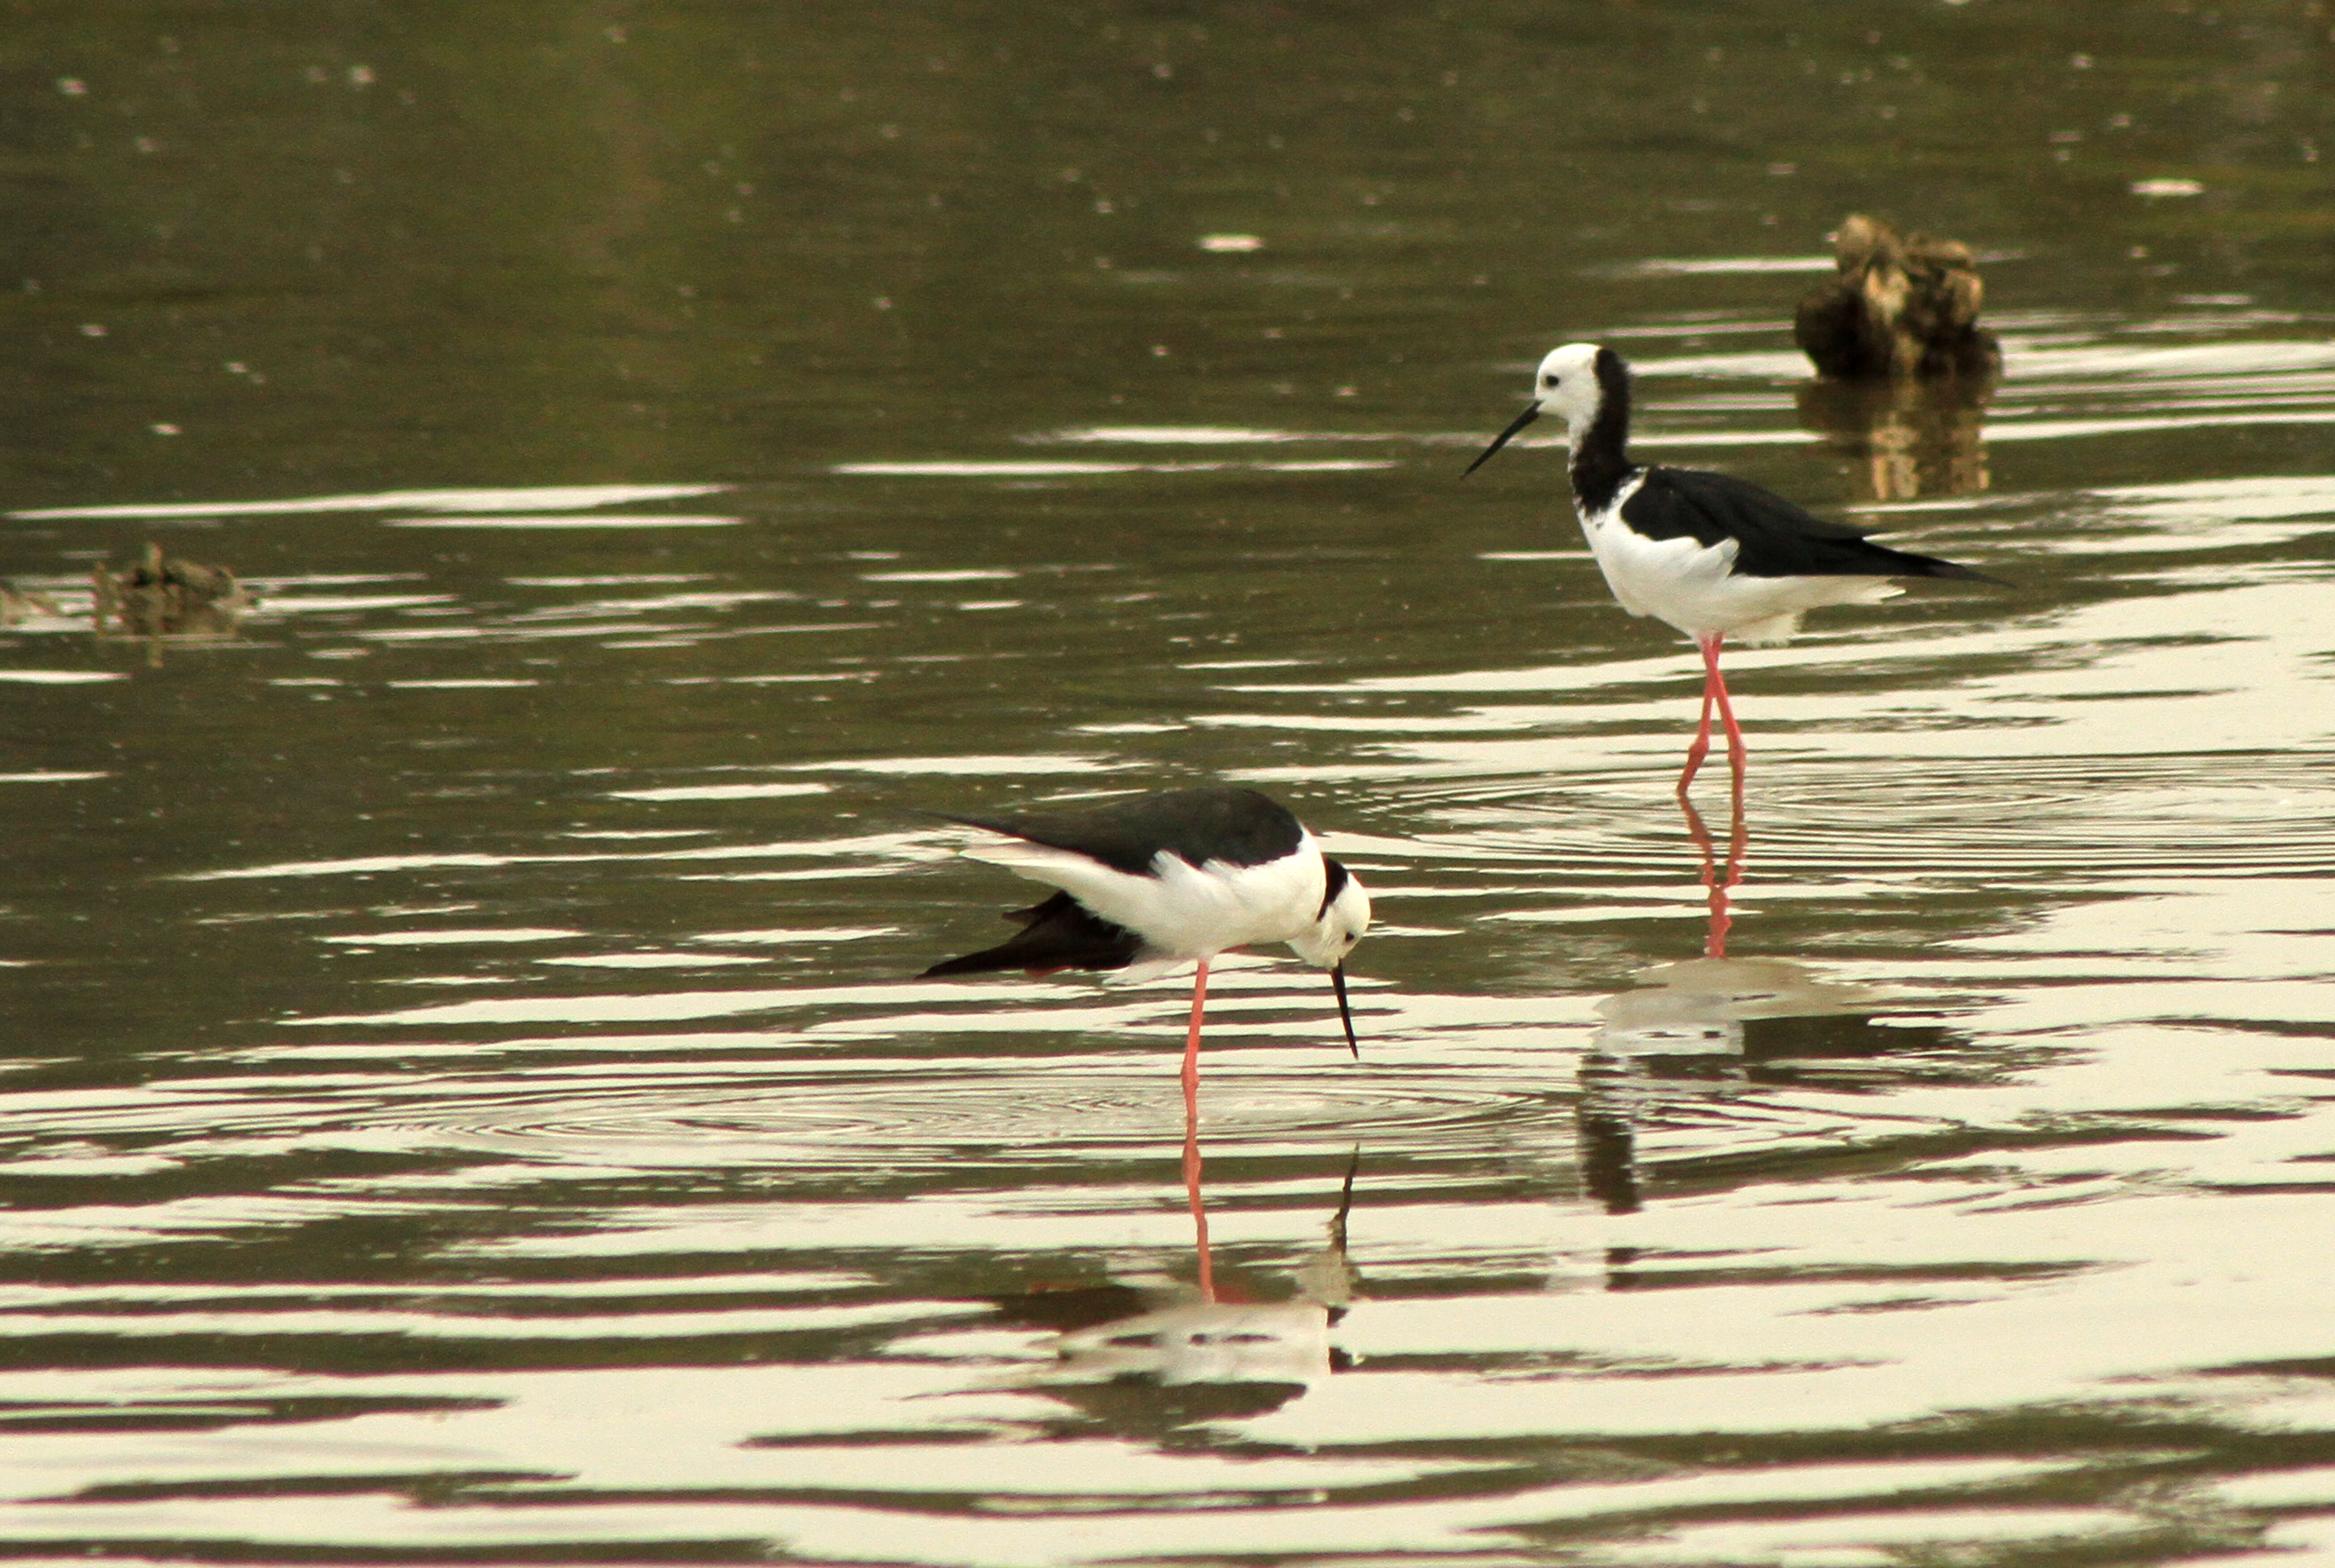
<point>160,597</point>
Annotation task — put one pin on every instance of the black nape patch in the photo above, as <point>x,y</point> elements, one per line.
<point>1601,459</point>
<point>1333,883</point>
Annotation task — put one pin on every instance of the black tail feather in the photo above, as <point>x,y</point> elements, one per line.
<point>1060,934</point>
<point>1908,564</point>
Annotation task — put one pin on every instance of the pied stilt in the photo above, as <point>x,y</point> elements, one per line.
<point>1713,555</point>
<point>1158,881</point>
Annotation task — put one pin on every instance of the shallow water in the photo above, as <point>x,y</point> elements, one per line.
<point>464,1098</point>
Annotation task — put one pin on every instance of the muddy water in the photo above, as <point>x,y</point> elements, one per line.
<point>463,1096</point>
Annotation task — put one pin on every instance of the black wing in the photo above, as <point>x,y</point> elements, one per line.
<point>1216,822</point>
<point>1060,934</point>
<point>1777,538</point>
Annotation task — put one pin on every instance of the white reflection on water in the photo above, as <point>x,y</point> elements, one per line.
<point>718,792</point>
<point>580,521</point>
<point>1041,468</point>
<point>538,499</point>
<point>447,936</point>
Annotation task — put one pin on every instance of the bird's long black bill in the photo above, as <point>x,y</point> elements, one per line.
<point>1345,1014</point>
<point>1532,412</point>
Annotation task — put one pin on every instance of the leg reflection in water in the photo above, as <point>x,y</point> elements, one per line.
<point>1688,1027</point>
<point>1143,1356</point>
<point>1212,1336</point>
<point>1703,1042</point>
<point>1325,1279</point>
<point>1739,841</point>
<point>1208,1278</point>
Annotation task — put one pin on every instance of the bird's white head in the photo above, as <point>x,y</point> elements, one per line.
<point>1345,915</point>
<point>1566,385</point>
<point>1576,383</point>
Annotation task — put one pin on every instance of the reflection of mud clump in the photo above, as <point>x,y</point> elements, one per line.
<point>161,598</point>
<point>22,605</point>
<point>1904,438</point>
<point>1900,309</point>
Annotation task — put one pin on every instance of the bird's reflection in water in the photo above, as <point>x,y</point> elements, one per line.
<point>1701,1032</point>
<point>1153,1356</point>
<point>1209,1338</point>
<point>1903,439</point>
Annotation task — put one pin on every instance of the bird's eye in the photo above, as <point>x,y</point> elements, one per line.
<point>1548,382</point>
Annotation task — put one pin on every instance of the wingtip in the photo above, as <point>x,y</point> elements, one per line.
<point>948,967</point>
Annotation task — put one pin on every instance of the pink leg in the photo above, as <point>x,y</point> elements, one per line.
<point>1701,747</point>
<point>1192,1134</point>
<point>1715,684</point>
<point>1192,1042</point>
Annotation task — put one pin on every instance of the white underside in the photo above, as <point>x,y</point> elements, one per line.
<point>1183,912</point>
<point>1693,585</point>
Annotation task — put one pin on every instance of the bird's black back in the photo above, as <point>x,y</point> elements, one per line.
<point>1776,538</point>
<point>1214,822</point>
<point>1060,934</point>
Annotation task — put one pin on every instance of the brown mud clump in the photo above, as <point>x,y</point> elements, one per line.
<point>1900,310</point>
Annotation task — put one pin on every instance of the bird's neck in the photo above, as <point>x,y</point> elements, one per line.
<point>1601,460</point>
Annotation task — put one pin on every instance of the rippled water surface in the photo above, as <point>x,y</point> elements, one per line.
<point>464,1096</point>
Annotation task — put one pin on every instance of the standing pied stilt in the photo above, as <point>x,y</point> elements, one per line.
<point>1713,555</point>
<point>1158,881</point>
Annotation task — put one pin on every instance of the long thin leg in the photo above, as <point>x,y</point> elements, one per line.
<point>1701,747</point>
<point>1192,1133</point>
<point>1738,756</point>
<point>1192,1042</point>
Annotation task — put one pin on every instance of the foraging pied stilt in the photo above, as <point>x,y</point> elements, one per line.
<point>1713,555</point>
<point>1158,881</point>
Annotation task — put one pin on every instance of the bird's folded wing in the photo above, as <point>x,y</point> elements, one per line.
<point>1213,822</point>
<point>1775,538</point>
